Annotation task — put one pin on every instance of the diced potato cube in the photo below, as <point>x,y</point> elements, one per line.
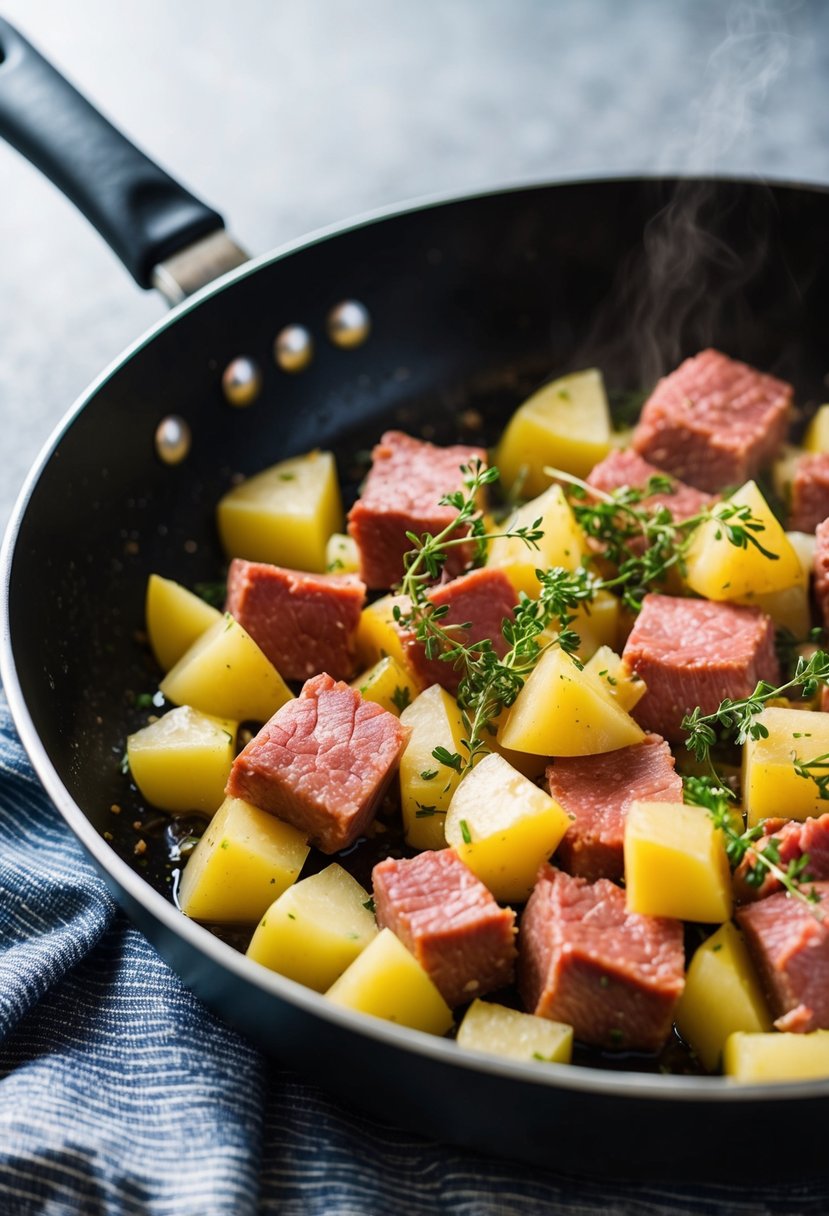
<point>789,608</point>
<point>783,471</point>
<point>803,544</point>
<point>622,681</point>
<point>285,514</point>
<point>816,438</point>
<point>315,929</point>
<point>245,859</point>
<point>175,617</point>
<point>771,783</point>
<point>226,674</point>
<point>566,425</point>
<point>503,827</point>
<point>426,786</point>
<point>675,863</point>
<point>341,554</point>
<point>389,684</point>
<point>501,1031</point>
<point>777,1056</point>
<point>722,994</point>
<point>388,982</point>
<point>563,543</point>
<point>562,711</point>
<point>720,570</point>
<point>182,761</point>
<point>597,622</point>
<point>378,634</point>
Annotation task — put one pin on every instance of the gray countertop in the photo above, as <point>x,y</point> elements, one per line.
<point>287,116</point>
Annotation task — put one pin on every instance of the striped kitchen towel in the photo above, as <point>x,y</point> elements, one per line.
<point>121,1094</point>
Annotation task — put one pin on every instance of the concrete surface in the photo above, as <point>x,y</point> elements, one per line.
<point>288,115</point>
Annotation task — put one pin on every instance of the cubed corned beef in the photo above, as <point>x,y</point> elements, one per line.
<point>714,422</point>
<point>322,763</point>
<point>821,569</point>
<point>483,599</point>
<point>303,622</point>
<point>626,468</point>
<point>583,959</point>
<point>791,839</point>
<point>449,921</point>
<point>789,943</point>
<point>402,493</point>
<point>696,653</point>
<point>809,504</point>
<point>597,792</point>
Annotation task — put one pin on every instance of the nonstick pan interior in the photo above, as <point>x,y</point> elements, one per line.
<point>472,304</point>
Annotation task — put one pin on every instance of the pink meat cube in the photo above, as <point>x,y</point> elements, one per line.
<point>789,943</point>
<point>627,469</point>
<point>714,422</point>
<point>612,975</point>
<point>792,839</point>
<point>322,763</point>
<point>821,570</point>
<point>810,493</point>
<point>449,921</point>
<point>597,792</point>
<point>482,599</point>
<point>696,653</point>
<point>303,622</point>
<point>402,494</point>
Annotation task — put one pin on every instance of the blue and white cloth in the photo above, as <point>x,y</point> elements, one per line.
<point>121,1094</point>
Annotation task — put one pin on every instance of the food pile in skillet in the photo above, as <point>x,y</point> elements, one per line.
<point>570,701</point>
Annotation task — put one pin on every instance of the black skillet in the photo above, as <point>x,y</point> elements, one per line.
<point>471,303</point>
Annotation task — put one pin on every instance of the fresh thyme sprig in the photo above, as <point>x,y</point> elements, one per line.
<point>718,802</point>
<point>811,770</point>
<point>644,544</point>
<point>737,720</point>
<point>488,683</point>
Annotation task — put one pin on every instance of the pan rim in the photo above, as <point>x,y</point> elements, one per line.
<point>558,1077</point>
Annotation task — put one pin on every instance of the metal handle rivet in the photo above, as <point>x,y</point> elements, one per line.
<point>293,348</point>
<point>348,324</point>
<point>242,382</point>
<point>173,439</point>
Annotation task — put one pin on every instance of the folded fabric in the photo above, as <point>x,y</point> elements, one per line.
<point>120,1093</point>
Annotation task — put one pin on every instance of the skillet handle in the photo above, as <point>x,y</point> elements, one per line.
<point>141,212</point>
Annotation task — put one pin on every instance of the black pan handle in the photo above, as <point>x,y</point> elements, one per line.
<point>138,209</point>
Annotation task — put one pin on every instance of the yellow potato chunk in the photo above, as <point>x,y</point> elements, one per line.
<point>182,761</point>
<point>597,622</point>
<point>503,827</point>
<point>622,681</point>
<point>501,1031</point>
<point>175,617</point>
<point>803,544</point>
<point>226,674</point>
<point>245,859</point>
<point>563,543</point>
<point>378,634</point>
<point>426,787</point>
<point>388,982</point>
<point>285,514</point>
<point>566,425</point>
<point>562,711</point>
<point>776,1056</point>
<point>771,784</point>
<point>341,554</point>
<point>315,929</point>
<point>722,995</point>
<point>389,684</point>
<point>816,438</point>
<point>675,863</point>
<point>719,570</point>
<point>783,471</point>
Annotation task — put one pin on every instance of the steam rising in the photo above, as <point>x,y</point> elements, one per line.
<point>689,275</point>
